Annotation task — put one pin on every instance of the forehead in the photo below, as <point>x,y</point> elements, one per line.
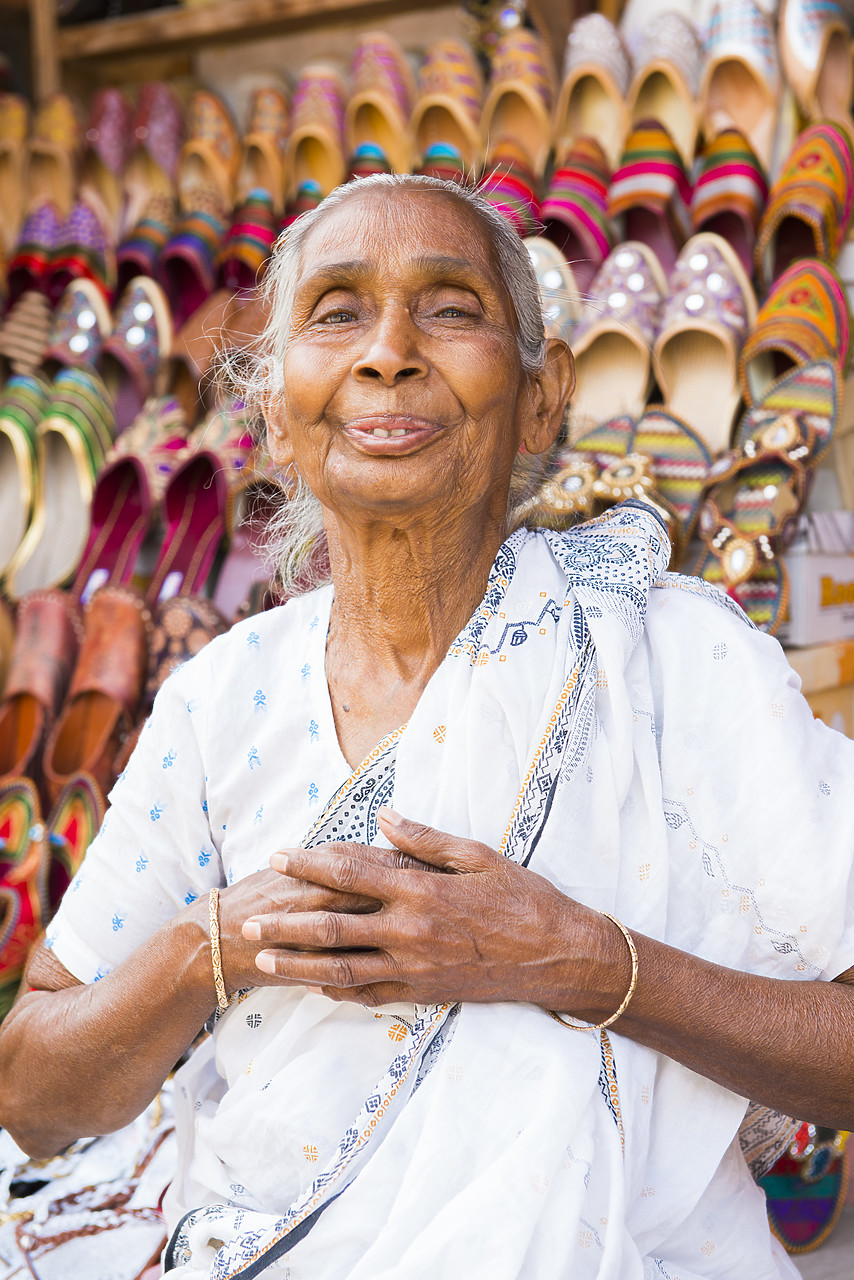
<point>397,226</point>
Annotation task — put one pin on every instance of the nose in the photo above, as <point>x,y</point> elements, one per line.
<point>391,351</point>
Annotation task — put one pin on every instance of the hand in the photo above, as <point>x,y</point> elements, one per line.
<point>487,930</point>
<point>268,892</point>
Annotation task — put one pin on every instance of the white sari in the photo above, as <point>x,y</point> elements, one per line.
<point>630,737</point>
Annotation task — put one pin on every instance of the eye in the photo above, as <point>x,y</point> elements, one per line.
<point>341,316</point>
<point>453,312</point>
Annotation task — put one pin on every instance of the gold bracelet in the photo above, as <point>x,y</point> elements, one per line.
<point>600,1026</point>
<point>216,954</point>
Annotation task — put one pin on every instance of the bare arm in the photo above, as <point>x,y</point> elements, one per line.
<point>78,1060</point>
<point>501,932</point>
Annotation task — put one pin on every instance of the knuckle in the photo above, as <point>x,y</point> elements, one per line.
<point>329,929</point>
<point>347,872</point>
<point>341,972</point>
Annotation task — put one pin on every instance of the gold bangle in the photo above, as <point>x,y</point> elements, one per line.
<point>216,954</point>
<point>600,1026</point>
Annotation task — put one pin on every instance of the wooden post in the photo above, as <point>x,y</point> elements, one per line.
<point>46,78</point>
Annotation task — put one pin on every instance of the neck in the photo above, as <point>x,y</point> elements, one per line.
<point>403,594</point>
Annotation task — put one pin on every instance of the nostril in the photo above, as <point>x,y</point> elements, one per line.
<point>408,373</point>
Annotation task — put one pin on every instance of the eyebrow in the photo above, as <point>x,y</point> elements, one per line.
<point>354,270</point>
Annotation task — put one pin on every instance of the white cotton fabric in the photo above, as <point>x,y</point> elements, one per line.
<point>697,800</point>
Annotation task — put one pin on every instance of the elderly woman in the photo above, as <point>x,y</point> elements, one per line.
<point>418,837</point>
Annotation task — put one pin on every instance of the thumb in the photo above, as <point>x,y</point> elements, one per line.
<point>438,848</point>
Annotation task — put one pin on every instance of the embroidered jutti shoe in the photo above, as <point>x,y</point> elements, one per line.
<point>70,829</point>
<point>188,263</point>
<point>35,251</point>
<point>139,253</point>
<point>264,148</point>
<point>316,142</point>
<point>448,106</point>
<point>815,51</point>
<point>520,97</point>
<point>510,185</point>
<point>20,908</point>
<point>730,193</point>
<point>810,207</point>
<point>14,127</point>
<point>666,81</point>
<point>710,308</point>
<point>107,146</point>
<point>575,211</point>
<point>157,129</point>
<point>81,324</point>
<point>613,340</point>
<point>132,354</point>
<point>650,193</point>
<point>211,155</point>
<point>806,1188</point>
<point>54,153</point>
<point>559,289</point>
<point>379,107</point>
<point>22,406</point>
<point>805,317</point>
<point>741,80</point>
<point>592,99</point>
<point>247,246</point>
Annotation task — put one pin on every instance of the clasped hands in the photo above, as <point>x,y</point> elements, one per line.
<point>379,926</point>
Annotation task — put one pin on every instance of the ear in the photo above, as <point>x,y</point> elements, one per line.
<point>278,436</point>
<point>551,389</point>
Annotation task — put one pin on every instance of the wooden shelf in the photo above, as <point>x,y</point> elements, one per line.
<point>219,20</point>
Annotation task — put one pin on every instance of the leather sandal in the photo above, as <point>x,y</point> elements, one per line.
<point>48,637</point>
<point>105,690</point>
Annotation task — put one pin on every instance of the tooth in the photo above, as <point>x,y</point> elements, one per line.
<point>380,431</point>
<point>399,431</point>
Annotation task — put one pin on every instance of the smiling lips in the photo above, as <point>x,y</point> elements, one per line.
<point>391,433</point>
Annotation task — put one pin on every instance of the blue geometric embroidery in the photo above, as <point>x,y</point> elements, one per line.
<point>306,672</point>
<point>50,941</point>
<point>313,731</point>
<point>190,897</point>
<point>253,640</point>
<point>205,856</point>
<point>313,793</point>
<point>312,626</point>
<point>155,812</point>
<point>260,700</point>
<point>118,922</point>
<point>169,759</point>
<point>141,863</point>
<point>253,757</point>
<point>192,705</point>
<point>259,816</point>
<point>101,973</point>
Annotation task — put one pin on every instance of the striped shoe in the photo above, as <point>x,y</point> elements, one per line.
<point>650,193</point>
<point>730,193</point>
<point>575,210</point>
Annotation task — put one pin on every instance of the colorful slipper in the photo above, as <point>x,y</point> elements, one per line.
<point>35,251</point>
<point>81,325</point>
<point>14,128</point>
<point>211,154</point>
<point>22,405</point>
<point>450,99</point>
<point>381,101</point>
<point>188,263</point>
<point>182,628</point>
<point>73,439</point>
<point>132,354</point>
<point>749,513</point>
<point>20,909</point>
<point>248,244</point>
<point>804,318</point>
<point>559,290</point>
<point>815,50</point>
<point>106,153</point>
<point>520,97</point>
<point>48,637</point>
<point>592,101</point>
<point>441,160</point>
<point>612,342</point>
<point>730,193</point>
<point>84,251</point>
<point>139,254</point>
<point>575,210</point>
<point>157,131</point>
<point>511,187</point>
<point>811,203</point>
<point>316,142</point>
<point>806,1189</point>
<point>709,310</point>
<point>197,345</point>
<point>650,193</point>
<point>741,81</point>
<point>54,153</point>
<point>667,80</point>
<point>105,691</point>
<point>71,827</point>
<point>262,157</point>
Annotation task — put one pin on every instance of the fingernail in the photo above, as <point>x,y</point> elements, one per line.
<point>266,962</point>
<point>252,930</point>
<point>315,991</point>
<point>390,816</point>
<point>279,862</point>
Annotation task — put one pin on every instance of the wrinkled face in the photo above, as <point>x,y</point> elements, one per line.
<point>404,392</point>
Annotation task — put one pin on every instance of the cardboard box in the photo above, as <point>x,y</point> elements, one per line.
<point>821,601</point>
<point>827,682</point>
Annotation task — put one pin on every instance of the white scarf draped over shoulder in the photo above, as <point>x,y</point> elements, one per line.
<point>627,734</point>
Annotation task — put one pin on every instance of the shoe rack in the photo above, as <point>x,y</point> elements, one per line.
<point>189,26</point>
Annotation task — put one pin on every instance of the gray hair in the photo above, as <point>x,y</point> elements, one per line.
<point>295,537</point>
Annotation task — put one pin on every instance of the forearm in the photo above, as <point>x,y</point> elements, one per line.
<point>788,1045</point>
<point>87,1059</point>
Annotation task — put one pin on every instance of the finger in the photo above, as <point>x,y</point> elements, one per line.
<point>319,930</point>
<point>451,853</point>
<point>343,867</point>
<point>392,858</point>
<point>339,969</point>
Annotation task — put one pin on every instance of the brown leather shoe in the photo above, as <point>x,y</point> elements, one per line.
<point>105,690</point>
<point>48,638</point>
